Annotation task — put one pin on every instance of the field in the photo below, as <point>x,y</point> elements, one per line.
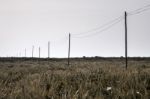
<point>85,78</point>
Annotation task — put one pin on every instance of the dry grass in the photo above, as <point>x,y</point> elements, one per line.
<point>84,79</point>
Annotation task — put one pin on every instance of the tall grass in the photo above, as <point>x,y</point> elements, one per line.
<point>82,80</point>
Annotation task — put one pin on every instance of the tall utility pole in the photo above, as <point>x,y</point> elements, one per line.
<point>126,42</point>
<point>39,52</point>
<point>25,52</point>
<point>69,49</point>
<point>48,49</point>
<point>20,54</point>
<point>32,51</point>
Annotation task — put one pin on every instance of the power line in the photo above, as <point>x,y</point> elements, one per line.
<point>111,23</point>
<point>95,29</point>
<point>140,10</point>
<point>137,11</point>
<point>99,32</point>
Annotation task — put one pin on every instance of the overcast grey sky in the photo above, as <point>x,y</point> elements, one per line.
<point>24,23</point>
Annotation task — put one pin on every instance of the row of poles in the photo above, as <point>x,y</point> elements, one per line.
<point>145,8</point>
<point>39,49</point>
<point>69,46</point>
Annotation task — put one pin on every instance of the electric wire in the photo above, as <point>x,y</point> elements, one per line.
<point>98,28</point>
<point>140,10</point>
<point>101,29</point>
<point>99,32</point>
<point>84,34</point>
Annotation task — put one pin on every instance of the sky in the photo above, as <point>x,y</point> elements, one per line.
<point>27,23</point>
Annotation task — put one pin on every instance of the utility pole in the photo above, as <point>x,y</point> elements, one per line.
<point>20,54</point>
<point>69,49</point>
<point>39,52</point>
<point>32,51</point>
<point>25,52</point>
<point>48,49</point>
<point>126,41</point>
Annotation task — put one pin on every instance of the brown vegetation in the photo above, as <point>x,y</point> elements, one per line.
<point>84,79</point>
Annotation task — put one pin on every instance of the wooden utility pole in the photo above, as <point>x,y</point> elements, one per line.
<point>126,41</point>
<point>49,49</point>
<point>20,54</point>
<point>39,52</point>
<point>69,49</point>
<point>25,52</point>
<point>32,51</point>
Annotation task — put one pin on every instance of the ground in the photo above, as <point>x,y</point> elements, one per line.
<point>84,78</point>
